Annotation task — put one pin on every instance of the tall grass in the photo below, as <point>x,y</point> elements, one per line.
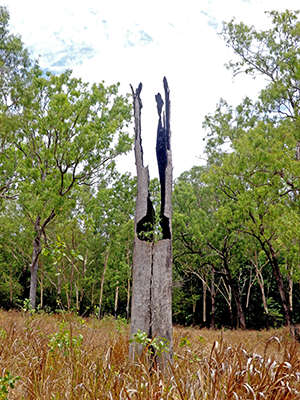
<point>67,357</point>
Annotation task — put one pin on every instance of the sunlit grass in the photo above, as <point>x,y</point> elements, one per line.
<point>67,357</point>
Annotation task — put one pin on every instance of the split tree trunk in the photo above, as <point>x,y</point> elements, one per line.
<point>151,308</point>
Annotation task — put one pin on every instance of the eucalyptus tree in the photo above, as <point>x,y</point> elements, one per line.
<point>112,217</point>
<point>68,134</point>
<point>259,172</point>
<point>205,244</point>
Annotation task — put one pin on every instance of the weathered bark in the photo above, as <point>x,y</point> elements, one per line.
<point>151,308</point>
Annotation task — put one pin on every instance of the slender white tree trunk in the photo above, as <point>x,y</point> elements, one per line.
<point>102,282</point>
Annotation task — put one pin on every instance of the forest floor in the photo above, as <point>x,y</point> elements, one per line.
<point>64,356</point>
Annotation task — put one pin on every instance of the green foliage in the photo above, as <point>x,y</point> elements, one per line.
<point>277,60</point>
<point>64,341</point>
<point>247,197</point>
<point>259,177</point>
<point>62,134</point>
<point>275,312</point>
<point>7,382</point>
<point>27,307</point>
<point>158,345</point>
<point>14,66</point>
<point>184,341</point>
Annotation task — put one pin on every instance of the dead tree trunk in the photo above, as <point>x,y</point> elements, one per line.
<point>151,308</point>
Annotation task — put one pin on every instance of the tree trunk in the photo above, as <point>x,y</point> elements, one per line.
<point>81,283</point>
<point>102,283</point>
<point>213,299</point>
<point>77,297</point>
<point>260,281</point>
<point>281,289</point>
<point>42,289</point>
<point>251,283</point>
<point>37,248</point>
<point>58,274</point>
<point>11,284</point>
<point>236,296</point>
<point>290,281</point>
<point>128,285</point>
<point>272,257</point>
<point>93,293</point>
<point>194,311</point>
<point>128,299</point>
<point>204,287</point>
<point>116,300</point>
<point>227,294</point>
<point>68,298</point>
<point>151,308</point>
<point>39,230</point>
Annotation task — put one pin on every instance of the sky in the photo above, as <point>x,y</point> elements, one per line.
<point>132,41</point>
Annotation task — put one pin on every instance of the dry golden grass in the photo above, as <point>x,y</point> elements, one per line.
<point>66,357</point>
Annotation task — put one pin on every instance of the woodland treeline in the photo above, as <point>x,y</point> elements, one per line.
<point>67,214</point>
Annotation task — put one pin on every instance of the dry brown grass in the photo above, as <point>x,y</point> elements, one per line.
<point>54,362</point>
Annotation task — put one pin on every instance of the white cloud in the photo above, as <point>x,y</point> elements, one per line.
<point>138,40</point>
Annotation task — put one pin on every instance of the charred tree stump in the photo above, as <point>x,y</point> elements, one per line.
<point>151,309</point>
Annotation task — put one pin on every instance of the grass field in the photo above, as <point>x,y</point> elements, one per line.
<point>66,357</point>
